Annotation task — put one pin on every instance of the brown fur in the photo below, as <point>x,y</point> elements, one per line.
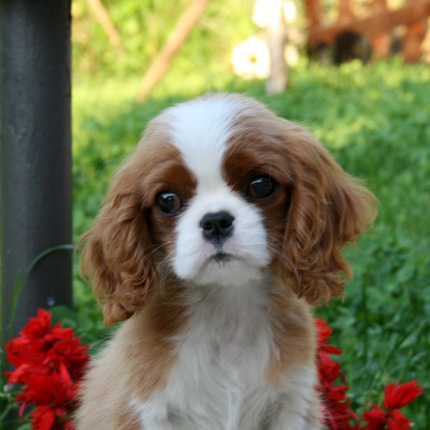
<point>142,346</point>
<point>327,208</point>
<point>293,336</point>
<point>120,250</point>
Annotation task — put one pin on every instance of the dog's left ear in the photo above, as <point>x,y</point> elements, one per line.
<point>117,256</point>
<point>328,209</point>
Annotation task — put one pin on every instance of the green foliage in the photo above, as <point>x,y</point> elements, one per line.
<point>145,25</point>
<point>91,331</point>
<point>7,405</point>
<point>375,120</point>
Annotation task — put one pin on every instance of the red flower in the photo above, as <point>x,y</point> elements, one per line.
<point>38,326</point>
<point>394,399</point>
<point>336,406</point>
<point>397,397</point>
<point>376,418</point>
<point>49,363</point>
<point>55,388</point>
<point>323,332</point>
<point>45,416</point>
<point>329,370</point>
<point>70,352</point>
<point>42,349</point>
<point>398,421</point>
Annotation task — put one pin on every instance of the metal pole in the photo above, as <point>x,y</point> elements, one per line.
<point>35,156</point>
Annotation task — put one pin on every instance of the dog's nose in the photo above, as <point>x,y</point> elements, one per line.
<point>217,227</point>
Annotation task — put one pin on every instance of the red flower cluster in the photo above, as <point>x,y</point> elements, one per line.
<point>335,406</point>
<point>394,399</point>
<point>49,363</point>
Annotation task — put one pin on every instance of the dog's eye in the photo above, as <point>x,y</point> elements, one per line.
<point>168,203</point>
<point>261,187</point>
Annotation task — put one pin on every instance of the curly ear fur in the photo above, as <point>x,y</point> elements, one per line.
<point>115,257</point>
<point>328,209</point>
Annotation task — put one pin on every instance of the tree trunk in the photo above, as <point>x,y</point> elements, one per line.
<point>412,41</point>
<point>345,10</point>
<point>381,42</point>
<point>276,38</point>
<point>176,39</point>
<point>314,12</point>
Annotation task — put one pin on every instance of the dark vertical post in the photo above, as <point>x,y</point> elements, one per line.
<point>36,179</point>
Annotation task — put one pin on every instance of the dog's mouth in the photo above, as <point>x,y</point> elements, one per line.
<point>221,257</point>
<point>226,269</point>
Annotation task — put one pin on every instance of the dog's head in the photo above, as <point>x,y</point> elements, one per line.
<point>221,191</point>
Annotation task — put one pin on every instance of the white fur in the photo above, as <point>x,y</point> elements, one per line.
<point>218,381</point>
<point>248,243</point>
<point>200,130</point>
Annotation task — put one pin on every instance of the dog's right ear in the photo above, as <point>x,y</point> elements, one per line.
<point>328,210</point>
<point>117,253</point>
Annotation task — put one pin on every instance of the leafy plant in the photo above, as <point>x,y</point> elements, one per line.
<point>145,25</point>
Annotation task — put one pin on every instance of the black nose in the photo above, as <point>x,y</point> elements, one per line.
<point>217,227</point>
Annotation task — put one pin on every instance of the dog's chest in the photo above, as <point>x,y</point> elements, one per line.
<point>218,381</point>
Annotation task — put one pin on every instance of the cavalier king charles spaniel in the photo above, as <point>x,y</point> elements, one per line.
<point>214,239</point>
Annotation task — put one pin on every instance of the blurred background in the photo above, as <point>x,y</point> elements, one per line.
<point>356,73</point>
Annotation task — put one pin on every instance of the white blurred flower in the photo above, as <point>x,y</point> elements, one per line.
<point>261,13</point>
<point>290,11</point>
<point>265,9</point>
<point>291,55</point>
<point>8,388</point>
<point>251,59</point>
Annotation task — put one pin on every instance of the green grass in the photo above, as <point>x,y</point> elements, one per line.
<point>376,122</point>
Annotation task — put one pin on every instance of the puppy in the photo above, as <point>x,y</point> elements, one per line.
<point>214,238</point>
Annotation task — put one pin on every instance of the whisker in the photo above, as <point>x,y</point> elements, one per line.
<point>286,262</point>
<point>163,271</point>
<point>157,247</point>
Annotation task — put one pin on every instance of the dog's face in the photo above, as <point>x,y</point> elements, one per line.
<point>221,191</point>
<point>219,210</point>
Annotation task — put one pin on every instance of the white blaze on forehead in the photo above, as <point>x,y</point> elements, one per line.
<point>200,130</point>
